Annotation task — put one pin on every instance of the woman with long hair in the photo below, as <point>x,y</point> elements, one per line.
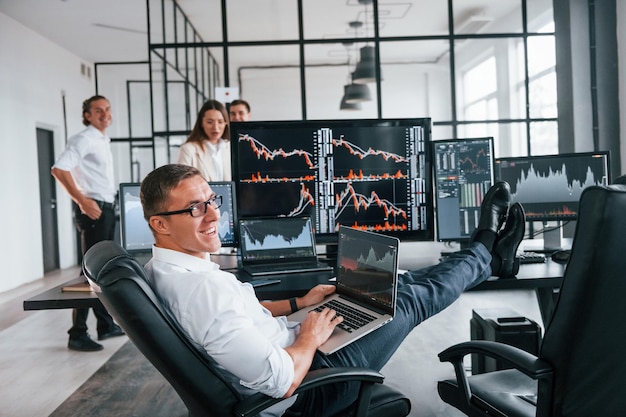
<point>208,146</point>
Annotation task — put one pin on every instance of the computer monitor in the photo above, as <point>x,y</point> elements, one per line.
<point>463,175</point>
<point>135,234</point>
<point>227,228</point>
<point>368,174</point>
<point>549,186</point>
<point>137,237</point>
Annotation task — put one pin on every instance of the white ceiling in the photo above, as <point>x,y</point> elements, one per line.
<point>116,30</point>
<point>95,30</point>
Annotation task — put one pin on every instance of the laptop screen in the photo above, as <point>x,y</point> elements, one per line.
<point>367,267</point>
<point>276,238</point>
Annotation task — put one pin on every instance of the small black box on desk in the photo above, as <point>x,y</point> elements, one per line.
<point>505,326</point>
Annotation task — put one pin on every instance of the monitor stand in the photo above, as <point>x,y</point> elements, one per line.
<point>463,244</point>
<point>330,256</point>
<point>552,237</point>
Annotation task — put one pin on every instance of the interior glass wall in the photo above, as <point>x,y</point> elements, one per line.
<point>475,67</point>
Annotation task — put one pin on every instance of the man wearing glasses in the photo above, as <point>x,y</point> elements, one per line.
<point>254,345</point>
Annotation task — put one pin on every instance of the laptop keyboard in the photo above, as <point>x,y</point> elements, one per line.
<point>353,319</point>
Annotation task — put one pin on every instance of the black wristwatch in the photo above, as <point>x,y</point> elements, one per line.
<point>293,304</point>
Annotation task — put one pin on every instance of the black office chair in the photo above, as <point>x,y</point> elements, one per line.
<point>580,370</point>
<point>120,283</point>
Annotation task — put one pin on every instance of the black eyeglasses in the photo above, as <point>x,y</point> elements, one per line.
<point>198,209</point>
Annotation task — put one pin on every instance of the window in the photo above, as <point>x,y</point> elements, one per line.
<point>479,91</point>
<point>475,68</point>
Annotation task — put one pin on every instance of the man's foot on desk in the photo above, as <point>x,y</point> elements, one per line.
<point>83,344</point>
<point>504,263</point>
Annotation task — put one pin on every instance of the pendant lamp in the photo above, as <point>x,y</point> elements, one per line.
<point>365,71</point>
<point>345,105</point>
<point>356,93</point>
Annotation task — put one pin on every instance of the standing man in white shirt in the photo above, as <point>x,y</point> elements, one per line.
<point>85,170</point>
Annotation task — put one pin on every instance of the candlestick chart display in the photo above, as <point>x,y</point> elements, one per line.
<point>368,174</point>
<point>549,186</point>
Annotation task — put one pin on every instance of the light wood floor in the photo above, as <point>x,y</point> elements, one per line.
<point>38,372</point>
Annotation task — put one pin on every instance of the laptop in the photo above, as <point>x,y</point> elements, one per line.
<point>367,276</point>
<point>278,245</point>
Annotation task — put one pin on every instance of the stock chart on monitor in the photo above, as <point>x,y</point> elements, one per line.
<point>549,187</point>
<point>135,232</point>
<point>463,175</point>
<point>366,174</point>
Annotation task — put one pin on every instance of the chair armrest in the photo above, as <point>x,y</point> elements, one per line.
<point>258,402</point>
<point>520,359</point>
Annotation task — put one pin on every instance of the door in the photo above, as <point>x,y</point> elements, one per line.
<point>48,200</point>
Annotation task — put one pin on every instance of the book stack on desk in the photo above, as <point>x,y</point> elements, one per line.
<point>78,287</point>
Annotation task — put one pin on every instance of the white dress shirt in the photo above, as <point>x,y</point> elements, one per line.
<point>88,157</point>
<point>223,315</point>
<point>212,160</point>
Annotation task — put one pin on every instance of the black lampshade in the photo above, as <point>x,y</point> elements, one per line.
<point>344,105</point>
<point>365,71</point>
<point>356,93</point>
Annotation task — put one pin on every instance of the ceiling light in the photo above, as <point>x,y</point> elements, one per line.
<point>365,71</point>
<point>356,93</point>
<point>472,24</point>
<point>345,105</point>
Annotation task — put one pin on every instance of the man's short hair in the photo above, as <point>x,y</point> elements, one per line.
<point>240,102</point>
<point>87,106</point>
<point>157,186</point>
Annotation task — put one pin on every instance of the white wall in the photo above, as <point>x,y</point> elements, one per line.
<point>33,74</point>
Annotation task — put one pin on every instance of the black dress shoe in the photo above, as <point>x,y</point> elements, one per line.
<point>504,263</point>
<point>114,332</point>
<point>494,208</point>
<point>83,344</point>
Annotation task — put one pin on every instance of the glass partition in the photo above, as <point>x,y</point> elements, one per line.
<point>476,68</point>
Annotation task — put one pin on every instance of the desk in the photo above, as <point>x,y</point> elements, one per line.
<point>54,298</point>
<point>530,276</point>
<point>291,285</point>
<point>544,278</point>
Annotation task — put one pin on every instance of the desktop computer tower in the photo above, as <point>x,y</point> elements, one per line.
<point>505,326</point>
